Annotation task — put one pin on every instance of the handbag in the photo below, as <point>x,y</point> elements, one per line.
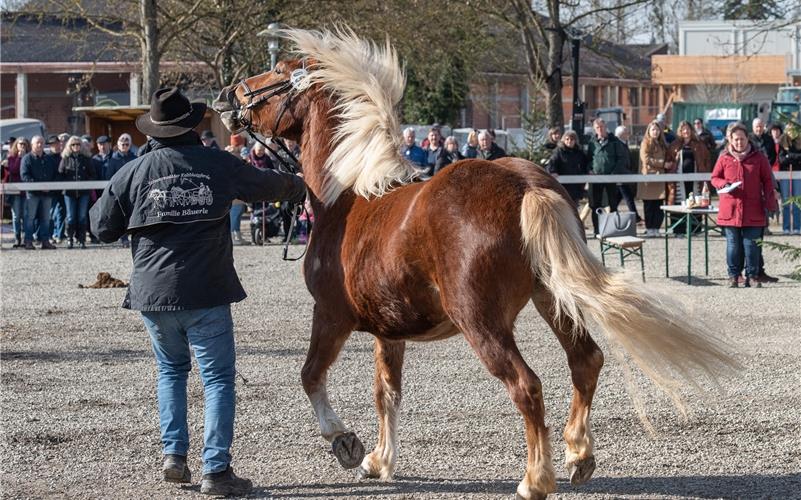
<point>616,224</point>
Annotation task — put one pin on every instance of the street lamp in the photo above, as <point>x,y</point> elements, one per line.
<point>273,42</point>
<point>577,116</point>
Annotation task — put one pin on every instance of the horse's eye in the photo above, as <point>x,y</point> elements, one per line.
<point>277,70</point>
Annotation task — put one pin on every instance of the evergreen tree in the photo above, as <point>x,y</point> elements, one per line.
<point>758,10</point>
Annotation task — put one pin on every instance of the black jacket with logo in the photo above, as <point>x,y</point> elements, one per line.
<point>174,202</point>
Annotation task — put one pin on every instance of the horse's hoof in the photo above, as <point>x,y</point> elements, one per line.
<point>581,470</point>
<point>362,474</point>
<point>348,450</point>
<point>518,496</point>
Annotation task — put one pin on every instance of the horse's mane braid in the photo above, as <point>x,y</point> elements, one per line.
<point>367,82</point>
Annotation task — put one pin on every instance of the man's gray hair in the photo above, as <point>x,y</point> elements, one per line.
<point>598,121</point>
<point>408,130</point>
<point>37,137</point>
<point>484,133</point>
<point>756,121</point>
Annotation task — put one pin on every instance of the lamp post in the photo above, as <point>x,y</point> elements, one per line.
<point>273,42</point>
<point>577,116</point>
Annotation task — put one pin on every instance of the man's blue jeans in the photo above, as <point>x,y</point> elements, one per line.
<point>58,213</point>
<point>742,242</point>
<point>17,202</point>
<point>37,207</point>
<point>784,187</point>
<point>236,216</point>
<point>210,332</point>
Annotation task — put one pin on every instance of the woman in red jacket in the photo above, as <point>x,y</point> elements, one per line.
<point>743,209</point>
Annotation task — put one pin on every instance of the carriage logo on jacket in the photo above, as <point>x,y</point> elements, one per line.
<point>186,197</point>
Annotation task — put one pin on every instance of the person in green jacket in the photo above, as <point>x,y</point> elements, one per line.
<point>608,155</point>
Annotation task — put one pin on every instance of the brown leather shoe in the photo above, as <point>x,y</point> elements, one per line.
<point>764,278</point>
<point>175,469</point>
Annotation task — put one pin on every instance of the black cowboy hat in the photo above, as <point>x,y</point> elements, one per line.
<point>171,114</point>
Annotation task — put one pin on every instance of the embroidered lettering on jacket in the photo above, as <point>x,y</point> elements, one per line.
<point>190,194</point>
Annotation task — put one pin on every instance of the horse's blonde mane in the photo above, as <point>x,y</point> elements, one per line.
<point>366,82</point>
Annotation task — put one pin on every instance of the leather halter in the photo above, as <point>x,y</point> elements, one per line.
<point>291,88</point>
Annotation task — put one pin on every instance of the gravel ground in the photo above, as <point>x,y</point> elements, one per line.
<point>79,411</point>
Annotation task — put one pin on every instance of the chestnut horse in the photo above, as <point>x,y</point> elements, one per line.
<point>463,252</point>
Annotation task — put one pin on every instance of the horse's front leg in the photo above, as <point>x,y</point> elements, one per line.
<point>329,333</point>
<point>388,367</point>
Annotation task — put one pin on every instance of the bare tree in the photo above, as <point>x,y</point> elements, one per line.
<point>544,35</point>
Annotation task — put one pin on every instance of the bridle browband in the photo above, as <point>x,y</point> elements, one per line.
<point>291,88</point>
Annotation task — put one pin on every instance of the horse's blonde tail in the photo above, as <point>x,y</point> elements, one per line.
<point>653,330</point>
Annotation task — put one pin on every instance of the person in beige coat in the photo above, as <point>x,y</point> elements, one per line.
<point>653,154</point>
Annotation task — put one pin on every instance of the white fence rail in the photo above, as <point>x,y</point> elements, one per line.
<point>16,187</point>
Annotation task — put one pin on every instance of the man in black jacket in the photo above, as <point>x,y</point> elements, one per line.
<point>174,203</point>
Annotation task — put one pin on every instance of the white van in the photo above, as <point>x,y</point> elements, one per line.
<point>20,127</point>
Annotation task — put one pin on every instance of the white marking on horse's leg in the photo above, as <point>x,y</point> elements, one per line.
<point>540,478</point>
<point>330,424</point>
<point>578,438</point>
<point>389,454</point>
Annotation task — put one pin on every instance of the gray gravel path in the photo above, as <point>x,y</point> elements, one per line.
<point>79,413</point>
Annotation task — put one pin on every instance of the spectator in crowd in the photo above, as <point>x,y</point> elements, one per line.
<point>448,154</point>
<point>411,151</point>
<point>63,138</point>
<point>669,135</point>
<point>427,139</point>
<point>36,166</point>
<point>776,134</point>
<point>76,166</point>
<point>433,150</point>
<point>235,144</point>
<point>607,156</point>
<point>121,156</point>
<point>653,161</point>
<point>100,161</point>
<point>554,136</point>
<point>743,210</point>
<point>790,161</point>
<point>622,133</point>
<point>569,159</point>
<point>19,148</point>
<point>87,140</point>
<point>470,149</point>
<point>705,136</point>
<point>487,149</point>
<point>762,140</point>
<point>183,279</point>
<point>208,139</point>
<point>259,157</point>
<point>689,155</point>
<point>58,211</point>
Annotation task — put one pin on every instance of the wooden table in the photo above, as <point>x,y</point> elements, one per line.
<point>688,220</point>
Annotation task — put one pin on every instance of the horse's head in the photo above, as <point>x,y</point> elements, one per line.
<point>265,103</point>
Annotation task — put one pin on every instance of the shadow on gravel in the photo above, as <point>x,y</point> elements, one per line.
<point>96,356</point>
<point>696,281</point>
<point>746,486</point>
<point>402,485</point>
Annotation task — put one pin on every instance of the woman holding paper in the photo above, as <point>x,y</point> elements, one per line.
<point>743,207</point>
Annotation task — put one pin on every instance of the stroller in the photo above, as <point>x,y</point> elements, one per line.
<point>271,225</point>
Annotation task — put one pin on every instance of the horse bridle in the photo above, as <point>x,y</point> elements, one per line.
<point>291,88</point>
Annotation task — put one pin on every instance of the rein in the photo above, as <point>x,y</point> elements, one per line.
<point>267,92</point>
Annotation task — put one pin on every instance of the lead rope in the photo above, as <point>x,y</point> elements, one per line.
<point>296,208</point>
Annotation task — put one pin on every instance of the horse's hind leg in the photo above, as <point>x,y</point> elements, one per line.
<point>329,334</point>
<point>496,348</point>
<point>585,360</point>
<point>388,367</point>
